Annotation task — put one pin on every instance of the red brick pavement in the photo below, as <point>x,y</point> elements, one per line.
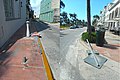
<point>12,54</point>
<point>12,69</point>
<point>109,50</point>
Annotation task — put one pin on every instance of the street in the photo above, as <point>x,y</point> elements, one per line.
<point>59,40</point>
<point>56,45</point>
<point>66,54</point>
<point>68,37</point>
<point>68,69</point>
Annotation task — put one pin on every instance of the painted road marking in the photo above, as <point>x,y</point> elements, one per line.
<point>46,64</point>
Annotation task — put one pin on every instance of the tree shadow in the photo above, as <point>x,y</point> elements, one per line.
<point>111,46</point>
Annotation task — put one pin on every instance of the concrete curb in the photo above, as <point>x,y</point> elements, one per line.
<point>46,63</point>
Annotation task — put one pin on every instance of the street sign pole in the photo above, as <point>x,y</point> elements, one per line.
<point>94,56</point>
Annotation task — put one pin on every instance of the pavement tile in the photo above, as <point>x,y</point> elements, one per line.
<point>112,48</point>
<point>111,53</point>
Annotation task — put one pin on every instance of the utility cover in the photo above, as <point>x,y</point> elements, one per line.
<point>90,60</point>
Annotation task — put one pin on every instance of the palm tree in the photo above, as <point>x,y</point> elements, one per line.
<point>64,17</point>
<point>88,17</point>
<point>62,5</point>
<point>73,17</point>
<point>95,20</point>
<point>96,17</point>
<point>83,23</point>
<point>79,22</point>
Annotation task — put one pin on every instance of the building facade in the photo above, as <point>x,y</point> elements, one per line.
<point>12,17</point>
<point>110,16</point>
<point>50,10</point>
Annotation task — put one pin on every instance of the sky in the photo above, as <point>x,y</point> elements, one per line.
<point>76,6</point>
<point>35,4</point>
<point>79,7</point>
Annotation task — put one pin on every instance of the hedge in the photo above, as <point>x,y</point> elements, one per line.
<point>91,39</point>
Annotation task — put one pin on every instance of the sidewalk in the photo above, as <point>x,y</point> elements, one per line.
<point>112,49</point>
<point>110,69</point>
<point>11,58</point>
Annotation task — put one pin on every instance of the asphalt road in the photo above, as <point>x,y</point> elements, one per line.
<point>68,37</point>
<point>68,70</point>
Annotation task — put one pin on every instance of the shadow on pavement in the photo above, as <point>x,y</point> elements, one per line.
<point>40,26</point>
<point>4,60</point>
<point>20,33</point>
<point>110,46</point>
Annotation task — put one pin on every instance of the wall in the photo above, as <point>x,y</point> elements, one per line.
<point>55,4</point>
<point>7,28</point>
<point>49,10</point>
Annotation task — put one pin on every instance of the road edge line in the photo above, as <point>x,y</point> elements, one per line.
<point>46,64</point>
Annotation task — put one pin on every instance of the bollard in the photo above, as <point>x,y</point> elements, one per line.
<point>27,31</point>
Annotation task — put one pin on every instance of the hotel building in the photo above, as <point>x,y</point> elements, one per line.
<point>110,16</point>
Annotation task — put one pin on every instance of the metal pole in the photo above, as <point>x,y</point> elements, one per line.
<point>27,31</point>
<point>93,53</point>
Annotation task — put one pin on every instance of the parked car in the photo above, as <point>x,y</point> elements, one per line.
<point>77,26</point>
<point>72,27</point>
<point>80,26</point>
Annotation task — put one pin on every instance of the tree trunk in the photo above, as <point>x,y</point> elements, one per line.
<point>88,17</point>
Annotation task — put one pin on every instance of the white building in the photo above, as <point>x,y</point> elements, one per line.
<point>12,17</point>
<point>110,16</point>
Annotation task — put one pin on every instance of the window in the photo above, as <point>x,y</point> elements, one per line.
<point>12,9</point>
<point>119,12</point>
<point>112,14</point>
<point>8,6</point>
<point>116,12</point>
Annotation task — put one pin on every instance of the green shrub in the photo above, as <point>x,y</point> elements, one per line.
<point>91,39</point>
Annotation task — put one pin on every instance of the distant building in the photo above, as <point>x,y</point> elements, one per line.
<point>12,17</point>
<point>50,10</point>
<point>110,16</point>
<point>29,11</point>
